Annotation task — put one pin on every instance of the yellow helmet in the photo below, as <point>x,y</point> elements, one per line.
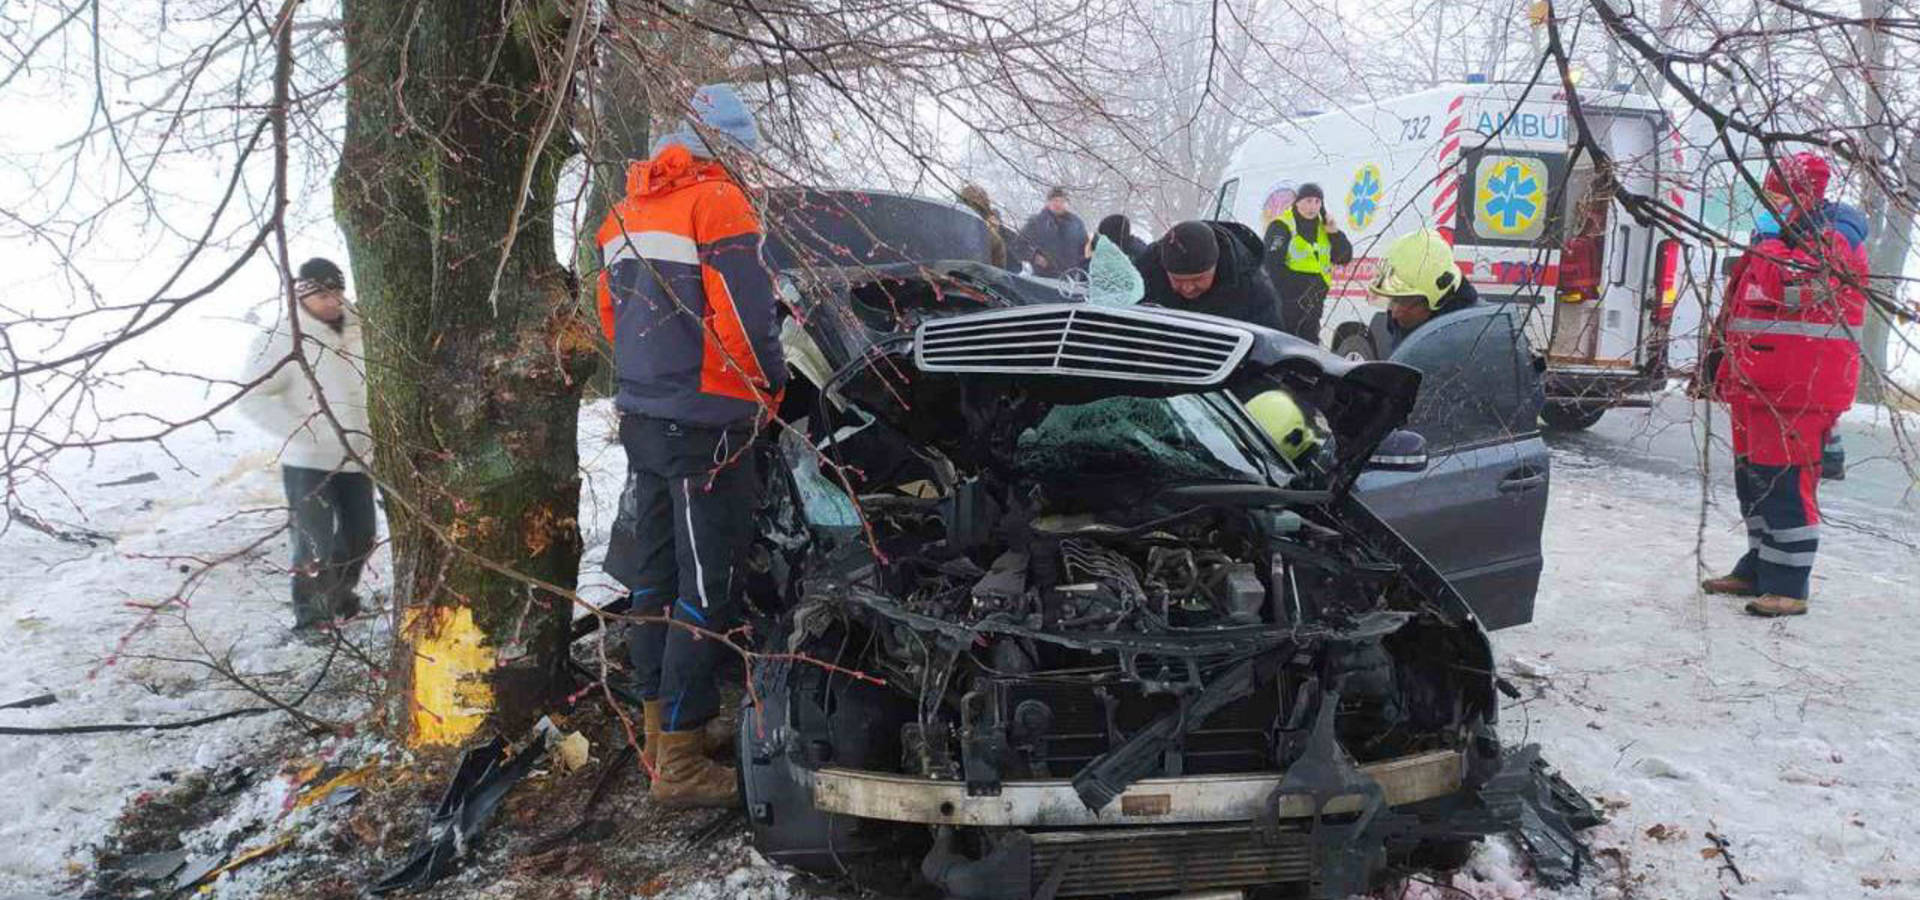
<point>1283,421</point>
<point>1417,264</point>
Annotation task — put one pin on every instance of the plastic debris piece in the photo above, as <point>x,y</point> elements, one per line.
<point>572,752</point>
<point>238,861</point>
<point>480,782</point>
<point>154,866</point>
<point>349,779</point>
<point>197,871</point>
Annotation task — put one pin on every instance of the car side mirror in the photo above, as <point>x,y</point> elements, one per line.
<point>1401,451</point>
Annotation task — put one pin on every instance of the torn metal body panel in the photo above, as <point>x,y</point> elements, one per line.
<point>1106,627</point>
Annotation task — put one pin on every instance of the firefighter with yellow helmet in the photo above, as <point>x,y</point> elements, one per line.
<point>1419,279</point>
<point>1286,424</point>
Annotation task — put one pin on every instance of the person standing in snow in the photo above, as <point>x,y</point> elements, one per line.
<point>1054,240</point>
<point>1787,367</point>
<point>329,494</point>
<point>1212,268</point>
<point>1303,245</point>
<point>691,309</point>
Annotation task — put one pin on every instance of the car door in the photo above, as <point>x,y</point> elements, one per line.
<point>1476,511</point>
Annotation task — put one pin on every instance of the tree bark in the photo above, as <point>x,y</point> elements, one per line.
<point>473,403</point>
<point>1890,222</point>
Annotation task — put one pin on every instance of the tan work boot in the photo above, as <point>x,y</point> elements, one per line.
<point>717,734</point>
<point>687,779</point>
<point>1774,605</point>
<point>1730,584</point>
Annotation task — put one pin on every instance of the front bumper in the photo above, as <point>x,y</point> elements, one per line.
<point>1606,389</point>
<point>1052,802</point>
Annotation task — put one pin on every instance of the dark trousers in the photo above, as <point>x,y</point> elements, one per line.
<point>692,491</point>
<point>1302,303</point>
<point>1776,471</point>
<point>332,519</point>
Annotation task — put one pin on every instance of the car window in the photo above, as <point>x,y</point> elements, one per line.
<point>1477,385</point>
<point>1177,438</point>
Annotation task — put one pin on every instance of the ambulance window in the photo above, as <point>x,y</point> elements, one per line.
<point>1477,384</point>
<point>1510,197</point>
<point>1223,202</point>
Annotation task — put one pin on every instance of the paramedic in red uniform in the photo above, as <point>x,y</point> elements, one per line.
<point>1788,368</point>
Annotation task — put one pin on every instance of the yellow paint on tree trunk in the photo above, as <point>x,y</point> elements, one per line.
<point>451,662</point>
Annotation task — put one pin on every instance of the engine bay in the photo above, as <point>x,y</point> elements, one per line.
<point>1062,587</point>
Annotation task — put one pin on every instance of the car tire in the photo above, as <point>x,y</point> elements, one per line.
<point>1571,416</point>
<point>1356,346</point>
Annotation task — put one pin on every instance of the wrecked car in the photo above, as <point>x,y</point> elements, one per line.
<point>1050,616</point>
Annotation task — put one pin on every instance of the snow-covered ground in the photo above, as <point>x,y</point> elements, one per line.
<point>76,622</point>
<point>1795,740</point>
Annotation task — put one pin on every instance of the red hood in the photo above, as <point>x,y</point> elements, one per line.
<point>1802,176</point>
<point>672,170</point>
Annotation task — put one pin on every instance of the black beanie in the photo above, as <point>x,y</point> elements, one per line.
<point>1189,249</point>
<point>1309,190</point>
<point>1116,228</point>
<point>323,274</point>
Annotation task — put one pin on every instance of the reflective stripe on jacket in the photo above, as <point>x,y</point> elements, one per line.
<point>1790,323</point>
<point>1313,257</point>
<point>685,297</point>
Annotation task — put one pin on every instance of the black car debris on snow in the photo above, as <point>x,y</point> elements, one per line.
<point>1112,643</point>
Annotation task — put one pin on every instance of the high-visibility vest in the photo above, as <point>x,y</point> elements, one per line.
<point>1310,257</point>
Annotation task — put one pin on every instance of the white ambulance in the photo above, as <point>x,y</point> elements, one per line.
<point>1490,165</point>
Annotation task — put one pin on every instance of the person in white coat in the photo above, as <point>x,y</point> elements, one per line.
<point>329,493</point>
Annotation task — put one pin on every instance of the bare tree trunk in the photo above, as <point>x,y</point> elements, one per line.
<point>474,397</point>
<point>1891,224</point>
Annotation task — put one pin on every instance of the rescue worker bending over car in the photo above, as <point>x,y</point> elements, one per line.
<point>1788,367</point>
<point>691,310</point>
<point>1212,268</point>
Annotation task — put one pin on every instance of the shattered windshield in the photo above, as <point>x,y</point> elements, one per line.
<point>1158,439</point>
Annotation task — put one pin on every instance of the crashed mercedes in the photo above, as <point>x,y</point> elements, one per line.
<point>1054,616</point>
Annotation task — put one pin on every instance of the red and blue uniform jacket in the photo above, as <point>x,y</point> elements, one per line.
<point>1794,305</point>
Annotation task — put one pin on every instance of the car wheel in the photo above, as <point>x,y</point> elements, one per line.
<point>1571,416</point>
<point>1356,346</point>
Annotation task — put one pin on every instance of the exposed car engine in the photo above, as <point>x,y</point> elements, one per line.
<point>1044,594</point>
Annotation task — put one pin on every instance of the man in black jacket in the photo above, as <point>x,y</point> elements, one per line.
<point>1054,240</point>
<point>1212,268</point>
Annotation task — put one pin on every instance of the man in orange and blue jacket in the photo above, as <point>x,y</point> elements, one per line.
<point>691,310</point>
